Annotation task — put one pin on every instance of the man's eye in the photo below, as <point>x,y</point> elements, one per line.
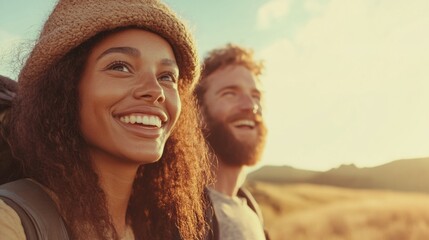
<point>119,66</point>
<point>229,93</point>
<point>257,97</point>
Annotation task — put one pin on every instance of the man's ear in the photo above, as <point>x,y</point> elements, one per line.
<point>202,112</point>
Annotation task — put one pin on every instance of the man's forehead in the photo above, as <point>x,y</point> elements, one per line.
<point>235,76</point>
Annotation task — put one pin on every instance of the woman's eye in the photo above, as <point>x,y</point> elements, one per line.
<point>169,77</point>
<point>119,66</point>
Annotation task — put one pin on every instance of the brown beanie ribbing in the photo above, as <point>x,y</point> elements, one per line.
<point>72,22</point>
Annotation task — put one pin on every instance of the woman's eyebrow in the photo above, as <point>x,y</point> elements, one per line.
<point>169,62</point>
<point>134,52</point>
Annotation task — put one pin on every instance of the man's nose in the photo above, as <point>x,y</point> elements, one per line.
<point>248,103</point>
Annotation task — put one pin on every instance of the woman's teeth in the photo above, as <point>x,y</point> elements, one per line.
<point>148,120</point>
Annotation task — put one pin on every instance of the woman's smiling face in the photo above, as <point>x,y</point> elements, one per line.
<point>129,97</point>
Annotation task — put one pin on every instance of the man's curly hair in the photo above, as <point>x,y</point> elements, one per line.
<point>219,58</point>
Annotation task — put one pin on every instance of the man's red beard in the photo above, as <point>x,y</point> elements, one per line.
<point>229,149</point>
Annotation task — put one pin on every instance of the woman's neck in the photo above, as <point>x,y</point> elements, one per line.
<point>117,182</point>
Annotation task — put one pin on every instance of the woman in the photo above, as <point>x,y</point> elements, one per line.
<point>103,120</point>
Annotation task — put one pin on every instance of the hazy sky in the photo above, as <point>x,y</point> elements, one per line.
<point>347,81</point>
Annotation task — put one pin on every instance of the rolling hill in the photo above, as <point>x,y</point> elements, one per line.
<point>411,175</point>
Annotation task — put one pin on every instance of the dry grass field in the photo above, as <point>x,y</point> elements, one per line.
<point>304,212</point>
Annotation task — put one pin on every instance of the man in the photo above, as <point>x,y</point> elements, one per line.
<point>10,168</point>
<point>229,95</point>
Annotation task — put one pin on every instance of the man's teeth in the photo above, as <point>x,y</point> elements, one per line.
<point>145,120</point>
<point>244,122</point>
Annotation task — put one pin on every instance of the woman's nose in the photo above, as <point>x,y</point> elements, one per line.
<point>149,89</point>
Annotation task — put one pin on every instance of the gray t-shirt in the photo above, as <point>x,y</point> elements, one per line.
<point>237,221</point>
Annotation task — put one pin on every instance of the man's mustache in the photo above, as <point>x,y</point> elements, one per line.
<point>256,117</point>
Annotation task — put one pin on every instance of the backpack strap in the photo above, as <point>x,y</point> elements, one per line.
<point>211,219</point>
<point>251,202</point>
<point>38,212</point>
<point>27,224</point>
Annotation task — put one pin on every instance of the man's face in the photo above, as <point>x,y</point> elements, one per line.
<point>232,111</point>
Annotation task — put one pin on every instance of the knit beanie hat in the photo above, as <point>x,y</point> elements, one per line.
<point>72,22</point>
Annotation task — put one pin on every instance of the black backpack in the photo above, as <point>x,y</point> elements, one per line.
<point>37,211</point>
<point>211,219</point>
